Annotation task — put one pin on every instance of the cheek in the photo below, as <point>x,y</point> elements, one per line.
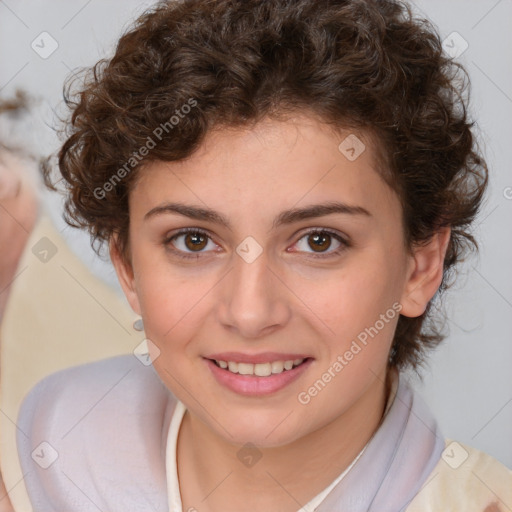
<point>360,307</point>
<point>172,303</point>
<point>352,299</point>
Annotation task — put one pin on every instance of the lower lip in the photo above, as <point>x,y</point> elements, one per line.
<point>252,385</point>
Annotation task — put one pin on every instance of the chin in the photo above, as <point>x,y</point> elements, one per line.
<point>268,431</point>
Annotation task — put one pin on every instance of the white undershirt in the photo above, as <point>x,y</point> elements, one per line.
<point>173,488</point>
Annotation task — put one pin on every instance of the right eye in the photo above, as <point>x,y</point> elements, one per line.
<point>188,242</point>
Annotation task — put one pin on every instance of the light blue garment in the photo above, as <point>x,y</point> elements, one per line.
<point>108,422</point>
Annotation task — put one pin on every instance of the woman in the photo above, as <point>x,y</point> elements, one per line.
<point>284,188</point>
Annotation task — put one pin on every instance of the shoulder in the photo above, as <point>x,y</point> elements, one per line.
<point>106,388</point>
<point>465,479</point>
<point>102,425</point>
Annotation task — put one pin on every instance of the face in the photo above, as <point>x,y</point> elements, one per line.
<point>292,252</point>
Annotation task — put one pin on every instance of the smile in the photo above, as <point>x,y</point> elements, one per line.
<point>259,369</point>
<point>257,379</point>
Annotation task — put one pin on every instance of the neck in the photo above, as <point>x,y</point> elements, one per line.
<point>285,477</point>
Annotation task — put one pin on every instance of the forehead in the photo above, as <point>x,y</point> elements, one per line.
<point>270,165</point>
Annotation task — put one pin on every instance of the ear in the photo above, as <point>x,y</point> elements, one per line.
<point>125,274</point>
<point>425,273</point>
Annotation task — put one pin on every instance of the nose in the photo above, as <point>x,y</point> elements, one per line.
<point>253,299</point>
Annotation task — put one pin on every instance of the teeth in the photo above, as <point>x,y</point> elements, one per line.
<point>263,369</point>
<point>245,368</point>
<point>259,369</point>
<point>277,367</point>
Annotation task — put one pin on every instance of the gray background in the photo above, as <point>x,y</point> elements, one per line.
<point>468,382</point>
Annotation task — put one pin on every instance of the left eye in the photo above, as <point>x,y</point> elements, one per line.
<point>320,241</point>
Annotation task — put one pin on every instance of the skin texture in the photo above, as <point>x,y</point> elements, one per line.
<point>285,301</point>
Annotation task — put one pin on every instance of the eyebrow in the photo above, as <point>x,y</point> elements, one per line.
<point>284,218</point>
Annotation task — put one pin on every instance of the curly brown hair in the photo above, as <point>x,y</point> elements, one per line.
<point>364,64</point>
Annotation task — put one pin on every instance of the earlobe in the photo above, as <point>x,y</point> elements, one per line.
<point>425,274</point>
<point>125,275</point>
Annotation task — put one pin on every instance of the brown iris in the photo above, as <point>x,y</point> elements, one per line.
<point>197,241</point>
<point>321,241</point>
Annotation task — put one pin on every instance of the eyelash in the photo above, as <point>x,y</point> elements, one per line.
<point>344,243</point>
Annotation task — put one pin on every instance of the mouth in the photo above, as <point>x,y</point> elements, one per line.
<point>257,379</point>
<point>259,369</point>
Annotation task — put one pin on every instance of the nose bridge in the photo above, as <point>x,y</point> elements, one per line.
<point>252,297</point>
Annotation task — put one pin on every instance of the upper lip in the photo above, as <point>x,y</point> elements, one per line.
<point>264,357</point>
